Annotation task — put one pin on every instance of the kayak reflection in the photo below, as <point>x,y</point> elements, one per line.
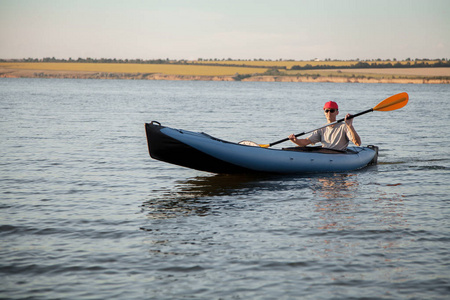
<point>205,195</point>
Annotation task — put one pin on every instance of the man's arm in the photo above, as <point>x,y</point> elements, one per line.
<point>299,142</point>
<point>355,137</point>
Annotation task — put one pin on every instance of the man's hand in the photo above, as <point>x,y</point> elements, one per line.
<point>349,122</point>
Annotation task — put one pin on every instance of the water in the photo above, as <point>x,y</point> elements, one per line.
<point>86,214</point>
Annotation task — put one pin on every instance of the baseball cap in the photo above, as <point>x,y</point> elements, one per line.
<point>331,104</point>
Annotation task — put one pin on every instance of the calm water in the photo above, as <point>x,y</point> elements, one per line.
<point>86,214</point>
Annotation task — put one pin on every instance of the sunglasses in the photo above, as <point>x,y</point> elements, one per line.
<point>330,110</point>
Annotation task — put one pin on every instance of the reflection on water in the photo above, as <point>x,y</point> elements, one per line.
<point>337,197</point>
<point>341,189</point>
<point>201,195</point>
<point>193,196</point>
<point>206,195</point>
<point>336,186</point>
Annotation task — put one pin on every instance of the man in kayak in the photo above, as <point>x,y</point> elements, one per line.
<point>334,136</point>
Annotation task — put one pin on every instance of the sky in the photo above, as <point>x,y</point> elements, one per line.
<point>236,29</point>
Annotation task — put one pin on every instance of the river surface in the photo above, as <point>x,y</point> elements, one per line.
<point>85,213</point>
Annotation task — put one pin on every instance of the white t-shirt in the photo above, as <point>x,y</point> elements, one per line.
<point>334,137</point>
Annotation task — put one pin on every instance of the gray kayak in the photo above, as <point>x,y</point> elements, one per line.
<point>203,152</point>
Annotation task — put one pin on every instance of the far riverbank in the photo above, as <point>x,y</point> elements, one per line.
<point>362,76</point>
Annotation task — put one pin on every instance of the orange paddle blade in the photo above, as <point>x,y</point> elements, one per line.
<point>393,102</point>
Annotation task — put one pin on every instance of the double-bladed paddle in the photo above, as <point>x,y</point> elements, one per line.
<point>391,103</point>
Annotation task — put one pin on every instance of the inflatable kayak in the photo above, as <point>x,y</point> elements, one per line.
<point>203,152</point>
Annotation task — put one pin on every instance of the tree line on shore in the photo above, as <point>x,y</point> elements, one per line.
<point>352,64</point>
<point>380,65</point>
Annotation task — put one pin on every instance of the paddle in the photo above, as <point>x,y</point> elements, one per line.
<point>391,103</point>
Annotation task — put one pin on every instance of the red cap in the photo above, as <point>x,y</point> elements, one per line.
<point>331,104</point>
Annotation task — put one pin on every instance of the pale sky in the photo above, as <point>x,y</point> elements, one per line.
<point>237,29</point>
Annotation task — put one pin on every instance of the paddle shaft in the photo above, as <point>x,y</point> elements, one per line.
<point>329,124</point>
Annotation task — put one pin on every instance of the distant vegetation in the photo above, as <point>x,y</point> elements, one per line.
<point>378,65</point>
<point>329,64</point>
<point>314,64</point>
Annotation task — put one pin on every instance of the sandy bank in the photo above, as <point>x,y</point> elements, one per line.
<point>20,73</point>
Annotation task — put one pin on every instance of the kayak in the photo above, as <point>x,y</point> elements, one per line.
<point>200,151</point>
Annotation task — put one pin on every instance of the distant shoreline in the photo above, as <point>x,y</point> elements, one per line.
<point>364,77</point>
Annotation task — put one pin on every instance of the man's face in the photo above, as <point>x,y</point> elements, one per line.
<point>331,114</point>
